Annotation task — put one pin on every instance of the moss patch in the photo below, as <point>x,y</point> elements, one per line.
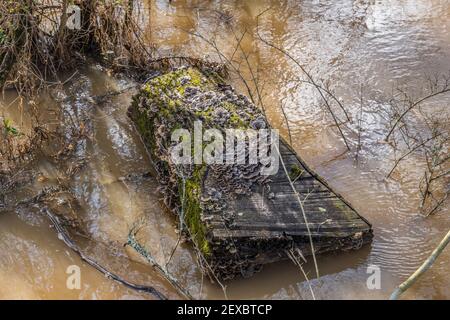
<point>164,86</point>
<point>193,210</point>
<point>295,172</point>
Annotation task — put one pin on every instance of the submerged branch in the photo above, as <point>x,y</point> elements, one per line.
<point>411,151</point>
<point>133,243</point>
<point>413,105</point>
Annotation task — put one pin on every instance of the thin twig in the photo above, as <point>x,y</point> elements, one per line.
<point>422,269</point>
<point>69,242</point>
<point>308,75</point>
<point>412,106</point>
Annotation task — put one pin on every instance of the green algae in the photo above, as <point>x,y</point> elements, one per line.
<point>192,209</point>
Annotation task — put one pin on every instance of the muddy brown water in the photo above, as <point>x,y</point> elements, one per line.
<point>375,45</point>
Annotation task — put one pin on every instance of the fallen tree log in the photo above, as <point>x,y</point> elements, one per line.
<point>238,216</point>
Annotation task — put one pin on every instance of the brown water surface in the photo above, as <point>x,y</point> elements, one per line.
<point>374,45</point>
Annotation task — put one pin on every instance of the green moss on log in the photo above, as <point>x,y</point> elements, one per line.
<point>190,196</point>
<point>161,104</point>
<point>166,92</point>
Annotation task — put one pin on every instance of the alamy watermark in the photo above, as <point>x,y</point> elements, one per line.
<point>231,146</point>
<point>73,17</point>
<point>374,280</point>
<point>73,281</point>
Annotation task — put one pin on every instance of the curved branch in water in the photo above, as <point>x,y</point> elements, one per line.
<point>69,242</point>
<point>412,106</point>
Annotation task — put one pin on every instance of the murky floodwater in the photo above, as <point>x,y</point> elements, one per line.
<point>373,45</point>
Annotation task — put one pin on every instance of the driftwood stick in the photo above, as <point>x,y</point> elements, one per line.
<point>422,269</point>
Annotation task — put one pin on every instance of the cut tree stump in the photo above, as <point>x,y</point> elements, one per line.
<point>237,218</point>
